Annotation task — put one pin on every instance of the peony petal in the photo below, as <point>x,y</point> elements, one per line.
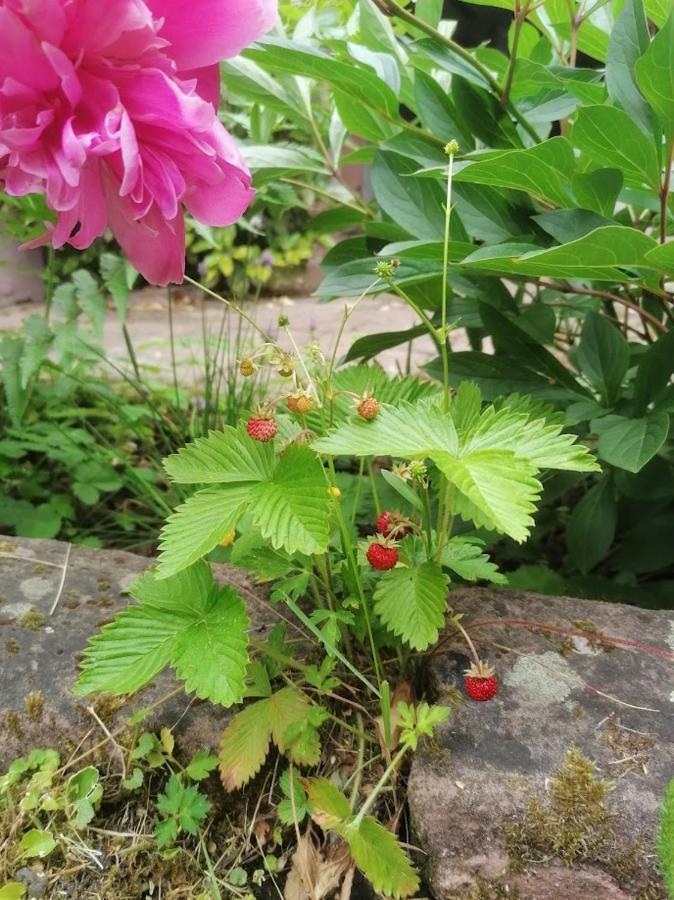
<point>223,203</point>
<point>154,245</point>
<point>21,56</point>
<point>202,32</point>
<point>207,83</point>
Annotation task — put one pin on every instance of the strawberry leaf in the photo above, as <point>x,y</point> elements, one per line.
<point>291,508</point>
<point>187,621</point>
<point>287,499</point>
<point>465,557</point>
<point>411,602</point>
<point>198,525</point>
<point>374,849</point>
<point>283,718</point>
<point>228,456</point>
<point>244,745</point>
<point>491,456</point>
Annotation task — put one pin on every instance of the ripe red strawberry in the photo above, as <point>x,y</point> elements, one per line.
<point>480,682</point>
<point>262,428</point>
<point>382,555</point>
<point>393,525</point>
<point>368,408</point>
<point>383,521</point>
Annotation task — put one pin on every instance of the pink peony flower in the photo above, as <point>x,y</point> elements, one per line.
<point>108,107</point>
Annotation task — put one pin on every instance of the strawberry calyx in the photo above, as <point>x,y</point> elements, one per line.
<point>393,524</point>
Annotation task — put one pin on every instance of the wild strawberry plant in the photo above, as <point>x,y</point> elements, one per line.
<point>285,491</point>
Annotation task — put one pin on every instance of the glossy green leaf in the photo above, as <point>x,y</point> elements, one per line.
<point>655,76</point>
<point>543,170</point>
<point>414,203</point>
<point>631,443</point>
<point>656,367</point>
<point>658,11</point>
<point>430,11</point>
<point>436,110</point>
<point>280,158</point>
<point>662,257</point>
<point>362,120</point>
<point>566,225</point>
<point>516,342</point>
<point>606,254</point>
<point>497,375</point>
<point>603,356</point>
<point>357,277</point>
<point>279,54</point>
<point>370,346</point>
<point>629,40</point>
<point>598,190</point>
<point>591,527</point>
<point>611,138</point>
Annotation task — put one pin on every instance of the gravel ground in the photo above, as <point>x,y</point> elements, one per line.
<point>194,319</point>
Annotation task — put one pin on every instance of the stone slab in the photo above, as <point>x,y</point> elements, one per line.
<point>44,626</point>
<point>470,790</point>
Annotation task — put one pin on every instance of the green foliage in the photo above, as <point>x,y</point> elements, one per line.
<point>183,808</point>
<point>284,718</point>
<point>186,621</point>
<point>47,806</point>
<point>481,453</point>
<point>666,839</point>
<point>374,849</point>
<point>293,807</point>
<point>561,184</point>
<point>544,235</point>
<point>287,498</point>
<point>411,602</point>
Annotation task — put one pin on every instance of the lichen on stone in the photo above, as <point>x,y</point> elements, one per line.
<point>535,675</point>
<point>490,890</point>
